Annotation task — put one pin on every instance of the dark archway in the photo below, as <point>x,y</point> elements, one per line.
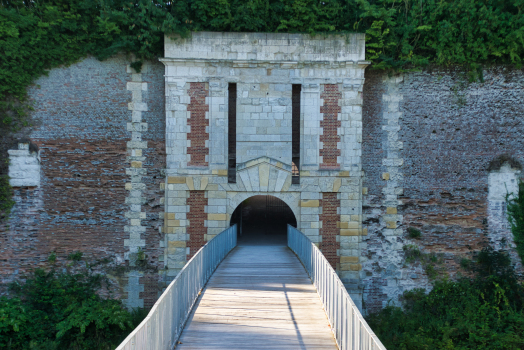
<point>263,220</point>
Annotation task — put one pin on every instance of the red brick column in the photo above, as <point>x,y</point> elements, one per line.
<point>197,215</point>
<point>330,125</point>
<point>198,122</point>
<point>329,231</point>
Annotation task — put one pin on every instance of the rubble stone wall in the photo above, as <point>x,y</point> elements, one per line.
<point>435,158</point>
<point>80,126</point>
<point>426,151</point>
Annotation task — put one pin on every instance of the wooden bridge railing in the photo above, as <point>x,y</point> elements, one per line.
<point>163,325</point>
<point>349,327</point>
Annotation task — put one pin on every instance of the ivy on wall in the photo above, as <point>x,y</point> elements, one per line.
<point>516,219</point>
<point>464,32</point>
<point>37,35</point>
<point>6,200</point>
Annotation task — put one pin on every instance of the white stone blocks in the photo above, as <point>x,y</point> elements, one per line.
<point>264,108</point>
<point>24,167</point>
<point>310,195</point>
<point>250,47</point>
<point>502,183</point>
<point>136,86</point>
<point>310,211</point>
<point>177,237</point>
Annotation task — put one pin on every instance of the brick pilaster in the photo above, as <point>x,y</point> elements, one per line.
<point>197,216</point>
<point>330,230</point>
<point>198,136</point>
<point>330,125</point>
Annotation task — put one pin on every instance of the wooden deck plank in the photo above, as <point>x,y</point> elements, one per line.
<point>260,297</point>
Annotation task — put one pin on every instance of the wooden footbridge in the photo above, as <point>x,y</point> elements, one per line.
<point>259,297</point>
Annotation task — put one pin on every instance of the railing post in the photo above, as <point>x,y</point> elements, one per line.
<point>164,323</point>
<point>349,327</point>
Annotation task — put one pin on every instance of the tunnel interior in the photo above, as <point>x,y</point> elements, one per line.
<point>263,220</point>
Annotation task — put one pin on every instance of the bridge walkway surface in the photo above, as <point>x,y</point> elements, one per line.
<point>260,297</point>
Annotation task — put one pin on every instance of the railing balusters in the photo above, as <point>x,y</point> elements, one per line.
<point>164,323</point>
<point>349,327</point>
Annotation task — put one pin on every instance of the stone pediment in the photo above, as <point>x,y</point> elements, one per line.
<point>263,174</point>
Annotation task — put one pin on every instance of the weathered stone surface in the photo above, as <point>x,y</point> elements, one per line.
<point>24,167</point>
<point>81,129</point>
<point>119,152</point>
<point>428,140</point>
<point>264,46</point>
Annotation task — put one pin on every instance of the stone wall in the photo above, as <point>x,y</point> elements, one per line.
<point>327,200</point>
<point>428,141</point>
<point>80,125</point>
<point>424,150</point>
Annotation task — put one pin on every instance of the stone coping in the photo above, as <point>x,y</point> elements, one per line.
<point>267,47</point>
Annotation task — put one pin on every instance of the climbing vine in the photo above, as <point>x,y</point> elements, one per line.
<point>38,35</point>
<point>6,200</point>
<point>516,219</point>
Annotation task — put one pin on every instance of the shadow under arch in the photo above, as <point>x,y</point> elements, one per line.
<point>263,220</point>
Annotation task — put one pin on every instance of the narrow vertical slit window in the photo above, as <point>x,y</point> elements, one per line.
<point>295,134</point>
<point>232,134</point>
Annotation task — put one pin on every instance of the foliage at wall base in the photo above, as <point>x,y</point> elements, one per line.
<point>63,310</point>
<point>484,312</point>
<point>431,262</point>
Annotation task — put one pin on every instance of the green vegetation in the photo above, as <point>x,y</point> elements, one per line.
<point>431,262</point>
<point>516,219</point>
<point>6,197</point>
<point>414,232</point>
<point>483,312</point>
<point>39,35</point>
<point>36,36</point>
<point>76,256</point>
<point>64,310</point>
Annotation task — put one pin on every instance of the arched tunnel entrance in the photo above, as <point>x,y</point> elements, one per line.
<point>263,220</point>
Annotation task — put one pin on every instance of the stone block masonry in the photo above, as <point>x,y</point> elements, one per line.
<point>77,207</point>
<point>136,171</point>
<point>502,184</point>
<point>80,125</point>
<point>429,139</point>
<point>24,167</point>
<point>199,71</point>
<point>153,279</point>
<point>135,243</point>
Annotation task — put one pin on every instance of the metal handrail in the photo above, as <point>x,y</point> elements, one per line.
<point>350,329</point>
<point>163,325</point>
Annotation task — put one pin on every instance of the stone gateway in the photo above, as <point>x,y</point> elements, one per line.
<point>146,167</point>
<point>264,71</point>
